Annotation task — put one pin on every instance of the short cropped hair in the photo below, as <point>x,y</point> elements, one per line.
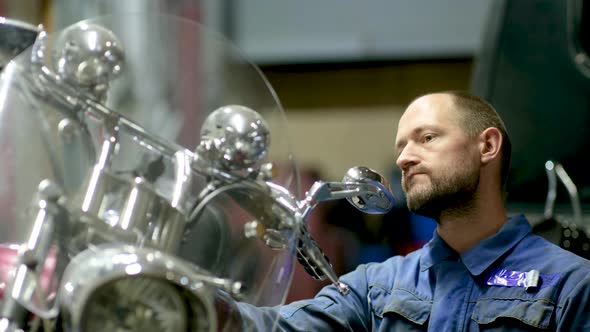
<point>476,115</point>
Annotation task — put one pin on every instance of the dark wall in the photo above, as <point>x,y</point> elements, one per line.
<point>527,70</point>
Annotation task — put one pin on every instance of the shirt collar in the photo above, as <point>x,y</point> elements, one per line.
<point>485,253</point>
<point>435,251</point>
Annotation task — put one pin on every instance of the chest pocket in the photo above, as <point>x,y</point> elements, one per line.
<point>399,303</point>
<point>504,314</point>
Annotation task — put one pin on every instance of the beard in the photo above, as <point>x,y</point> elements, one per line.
<point>452,193</point>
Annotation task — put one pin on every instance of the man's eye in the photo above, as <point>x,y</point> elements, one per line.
<point>428,138</point>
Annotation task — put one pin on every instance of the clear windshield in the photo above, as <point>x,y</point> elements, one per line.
<point>111,112</point>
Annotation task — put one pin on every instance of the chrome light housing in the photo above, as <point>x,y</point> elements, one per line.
<point>120,287</point>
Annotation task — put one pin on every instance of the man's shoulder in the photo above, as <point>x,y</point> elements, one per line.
<point>539,254</point>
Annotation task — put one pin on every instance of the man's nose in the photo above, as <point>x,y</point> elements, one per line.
<point>406,158</point>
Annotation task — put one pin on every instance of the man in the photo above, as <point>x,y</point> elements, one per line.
<point>482,270</point>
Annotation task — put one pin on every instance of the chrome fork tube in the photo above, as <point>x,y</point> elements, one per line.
<point>24,288</point>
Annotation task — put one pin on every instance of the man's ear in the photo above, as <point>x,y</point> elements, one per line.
<point>490,144</point>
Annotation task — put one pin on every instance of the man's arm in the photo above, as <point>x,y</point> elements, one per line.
<point>575,313</point>
<point>328,311</point>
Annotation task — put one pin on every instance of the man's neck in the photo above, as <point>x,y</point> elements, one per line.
<point>462,231</point>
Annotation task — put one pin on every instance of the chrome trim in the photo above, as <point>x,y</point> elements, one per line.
<point>138,211</point>
<point>100,265</point>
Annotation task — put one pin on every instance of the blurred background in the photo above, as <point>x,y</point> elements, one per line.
<point>345,70</point>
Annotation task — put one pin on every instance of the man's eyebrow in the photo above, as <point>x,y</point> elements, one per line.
<point>421,129</point>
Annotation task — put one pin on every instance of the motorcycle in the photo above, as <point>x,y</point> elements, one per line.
<point>139,186</point>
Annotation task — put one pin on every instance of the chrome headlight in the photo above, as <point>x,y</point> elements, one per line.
<point>138,304</point>
<point>124,288</point>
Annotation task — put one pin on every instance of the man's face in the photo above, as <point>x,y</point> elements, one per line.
<point>439,162</point>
